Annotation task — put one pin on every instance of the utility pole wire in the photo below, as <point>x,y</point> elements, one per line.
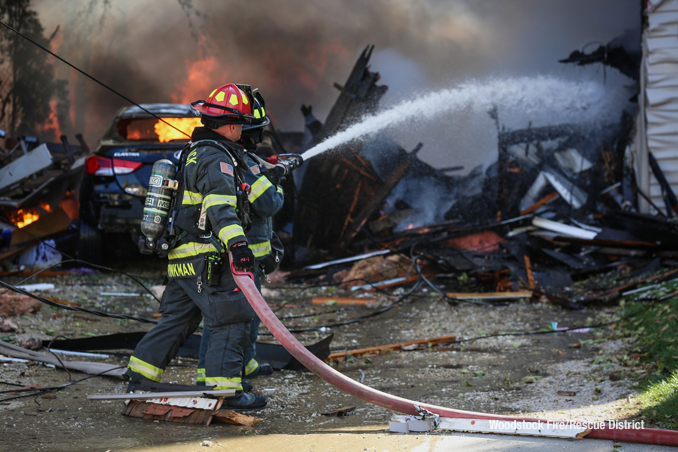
<point>92,78</point>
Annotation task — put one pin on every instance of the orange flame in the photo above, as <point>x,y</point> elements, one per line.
<point>198,84</point>
<point>24,218</point>
<point>410,226</point>
<point>52,123</point>
<point>166,133</point>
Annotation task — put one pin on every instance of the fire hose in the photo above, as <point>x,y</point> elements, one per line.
<point>245,282</point>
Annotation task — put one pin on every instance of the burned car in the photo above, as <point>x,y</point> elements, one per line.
<point>113,191</point>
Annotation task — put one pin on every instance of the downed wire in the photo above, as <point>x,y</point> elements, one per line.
<point>92,78</point>
<point>357,319</point>
<point>75,308</point>
<point>38,272</point>
<point>51,388</point>
<point>533,333</point>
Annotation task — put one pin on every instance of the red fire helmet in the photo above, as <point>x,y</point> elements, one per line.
<point>227,104</point>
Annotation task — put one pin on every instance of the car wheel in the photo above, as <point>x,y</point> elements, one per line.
<point>90,245</point>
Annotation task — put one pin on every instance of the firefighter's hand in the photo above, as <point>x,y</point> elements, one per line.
<point>276,174</point>
<point>243,258</point>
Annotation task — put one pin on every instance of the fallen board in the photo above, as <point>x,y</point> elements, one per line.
<point>370,351</point>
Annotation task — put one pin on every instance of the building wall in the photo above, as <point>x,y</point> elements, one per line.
<point>659,104</point>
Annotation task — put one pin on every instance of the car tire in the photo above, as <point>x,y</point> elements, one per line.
<point>91,245</point>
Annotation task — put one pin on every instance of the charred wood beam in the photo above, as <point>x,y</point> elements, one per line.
<point>374,203</point>
<point>507,139</point>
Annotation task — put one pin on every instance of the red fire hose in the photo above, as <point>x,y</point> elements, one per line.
<point>400,405</point>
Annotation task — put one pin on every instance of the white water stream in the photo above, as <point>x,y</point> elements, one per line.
<point>530,98</point>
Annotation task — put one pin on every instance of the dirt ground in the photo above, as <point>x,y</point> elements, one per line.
<point>506,375</point>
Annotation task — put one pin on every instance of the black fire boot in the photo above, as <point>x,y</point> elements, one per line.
<point>245,401</point>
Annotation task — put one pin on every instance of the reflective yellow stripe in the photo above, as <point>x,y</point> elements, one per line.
<point>147,370</point>
<point>251,366</point>
<point>280,190</point>
<point>218,200</point>
<point>201,375</point>
<point>224,383</point>
<point>191,249</point>
<point>220,96</point>
<point>259,187</point>
<point>261,249</point>
<point>233,100</point>
<point>230,232</point>
<point>257,114</point>
<point>190,198</point>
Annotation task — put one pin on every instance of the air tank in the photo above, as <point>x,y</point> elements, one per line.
<point>158,200</point>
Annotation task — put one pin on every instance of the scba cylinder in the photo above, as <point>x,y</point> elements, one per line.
<point>158,199</point>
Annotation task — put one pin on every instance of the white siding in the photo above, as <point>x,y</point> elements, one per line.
<point>659,102</point>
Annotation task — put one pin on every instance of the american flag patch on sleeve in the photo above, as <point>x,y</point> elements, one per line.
<point>226,168</point>
<point>255,169</point>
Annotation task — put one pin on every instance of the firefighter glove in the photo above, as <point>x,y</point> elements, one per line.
<point>243,258</point>
<point>276,174</point>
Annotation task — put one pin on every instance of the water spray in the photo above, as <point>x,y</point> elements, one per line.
<point>528,97</point>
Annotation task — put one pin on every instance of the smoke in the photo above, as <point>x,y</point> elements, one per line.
<point>295,50</point>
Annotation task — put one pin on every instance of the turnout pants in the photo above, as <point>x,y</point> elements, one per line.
<point>182,307</point>
<point>250,350</point>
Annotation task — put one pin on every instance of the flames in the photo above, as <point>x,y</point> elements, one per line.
<point>166,133</point>
<point>24,217</point>
<point>52,124</point>
<point>202,76</point>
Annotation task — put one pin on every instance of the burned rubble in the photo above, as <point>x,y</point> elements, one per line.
<point>553,219</point>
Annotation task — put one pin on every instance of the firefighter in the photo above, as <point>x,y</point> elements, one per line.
<point>266,199</point>
<point>200,282</point>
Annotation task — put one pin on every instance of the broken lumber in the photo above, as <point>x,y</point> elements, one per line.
<point>373,287</point>
<point>542,202</point>
<point>184,411</point>
<point>12,304</point>
<point>374,203</point>
<point>231,417</point>
<point>380,349</point>
<point>491,295</point>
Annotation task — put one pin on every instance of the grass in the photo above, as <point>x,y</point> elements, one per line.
<point>659,401</point>
<point>654,360</point>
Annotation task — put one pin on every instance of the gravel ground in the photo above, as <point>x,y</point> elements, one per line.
<point>503,375</point>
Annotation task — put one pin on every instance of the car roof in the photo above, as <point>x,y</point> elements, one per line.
<point>158,109</point>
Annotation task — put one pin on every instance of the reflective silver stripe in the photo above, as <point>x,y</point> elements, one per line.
<point>251,366</point>
<point>218,200</point>
<point>191,198</point>
<point>191,249</point>
<point>200,375</point>
<point>230,232</point>
<point>224,383</point>
<point>259,187</point>
<point>261,249</point>
<point>147,370</point>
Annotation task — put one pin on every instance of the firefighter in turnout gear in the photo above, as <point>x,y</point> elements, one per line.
<point>266,199</point>
<point>212,217</point>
